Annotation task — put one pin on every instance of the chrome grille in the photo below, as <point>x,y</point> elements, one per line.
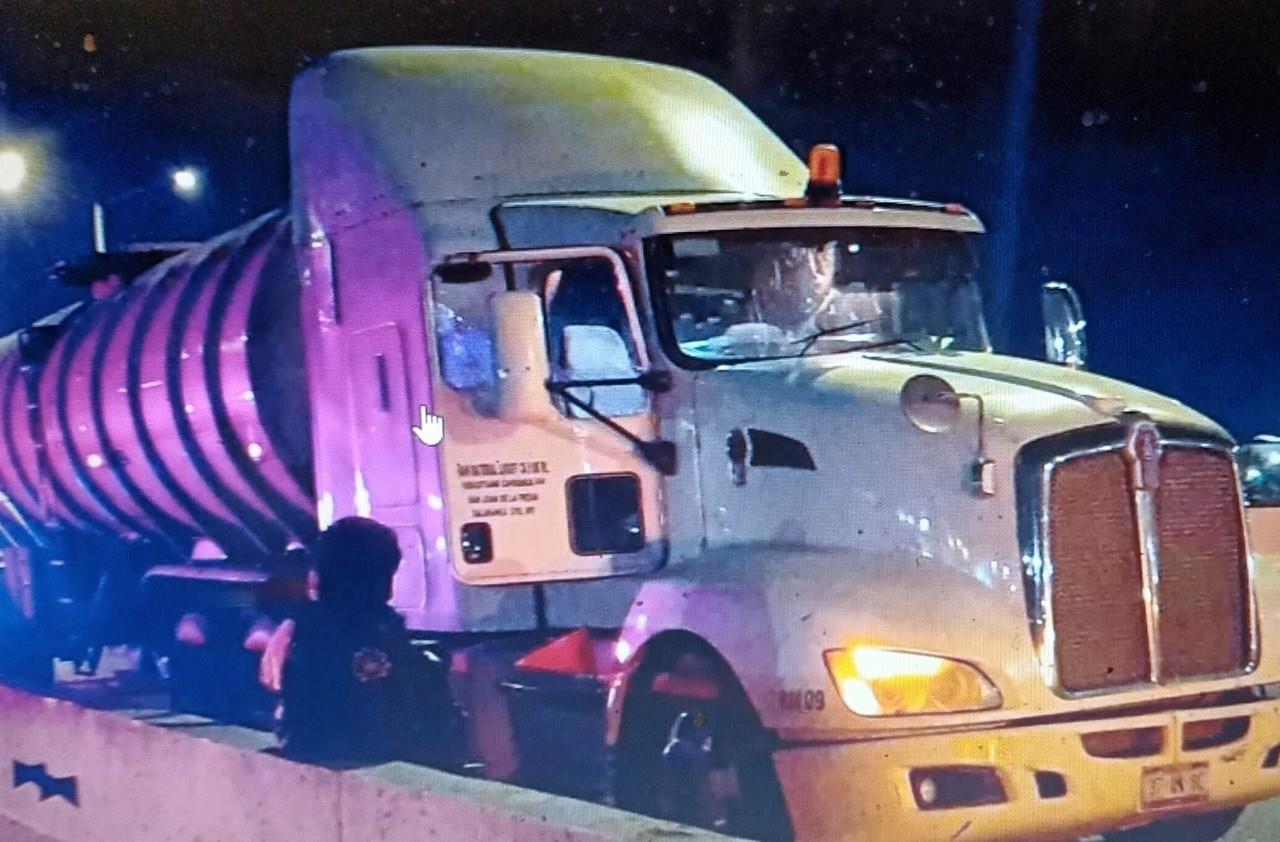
<point>1204,584</point>
<point>1098,611</point>
<point>1106,526</point>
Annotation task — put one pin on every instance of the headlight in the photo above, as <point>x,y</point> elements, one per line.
<point>887,682</point>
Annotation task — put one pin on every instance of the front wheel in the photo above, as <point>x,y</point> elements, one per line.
<point>1206,827</point>
<point>692,750</point>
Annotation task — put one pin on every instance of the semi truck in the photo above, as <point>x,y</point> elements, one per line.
<point>708,482</point>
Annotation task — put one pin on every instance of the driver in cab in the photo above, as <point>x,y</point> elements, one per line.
<point>795,301</point>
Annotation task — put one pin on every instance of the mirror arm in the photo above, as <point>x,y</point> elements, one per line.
<point>661,454</point>
<point>652,381</point>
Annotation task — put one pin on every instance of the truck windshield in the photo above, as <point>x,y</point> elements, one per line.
<point>765,293</point>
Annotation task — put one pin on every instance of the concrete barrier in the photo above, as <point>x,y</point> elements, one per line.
<point>78,774</point>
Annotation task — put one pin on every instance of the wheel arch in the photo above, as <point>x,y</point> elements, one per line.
<point>730,622</point>
<point>659,653</point>
<point>760,805</point>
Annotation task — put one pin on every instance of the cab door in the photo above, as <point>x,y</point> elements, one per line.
<point>563,494</point>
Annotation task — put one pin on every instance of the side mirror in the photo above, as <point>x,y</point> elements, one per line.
<point>521,356</point>
<point>1259,464</point>
<point>1064,335</point>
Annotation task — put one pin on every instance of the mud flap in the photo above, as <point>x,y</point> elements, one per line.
<point>558,723</point>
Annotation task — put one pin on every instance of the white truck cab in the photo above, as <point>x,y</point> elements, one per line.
<point>934,573</point>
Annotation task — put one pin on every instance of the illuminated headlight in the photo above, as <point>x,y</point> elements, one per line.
<point>888,682</point>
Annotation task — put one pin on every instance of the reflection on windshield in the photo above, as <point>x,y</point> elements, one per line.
<point>776,293</point>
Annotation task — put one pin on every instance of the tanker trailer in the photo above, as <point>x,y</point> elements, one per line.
<point>170,414</point>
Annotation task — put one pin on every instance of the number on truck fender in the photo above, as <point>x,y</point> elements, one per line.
<point>807,700</point>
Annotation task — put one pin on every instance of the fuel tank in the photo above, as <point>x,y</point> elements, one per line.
<point>176,407</point>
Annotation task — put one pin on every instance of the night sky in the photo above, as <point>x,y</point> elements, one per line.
<point>1151,144</point>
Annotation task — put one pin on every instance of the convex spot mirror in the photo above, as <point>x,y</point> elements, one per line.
<point>930,403</point>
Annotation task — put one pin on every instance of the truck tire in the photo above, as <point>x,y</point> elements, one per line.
<point>698,760</point>
<point>1206,827</point>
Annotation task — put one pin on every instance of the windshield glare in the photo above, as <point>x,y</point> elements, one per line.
<point>779,293</point>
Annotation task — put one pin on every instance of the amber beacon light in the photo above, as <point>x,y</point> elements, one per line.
<point>824,176</point>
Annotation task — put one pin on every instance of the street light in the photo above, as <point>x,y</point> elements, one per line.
<point>13,171</point>
<point>185,181</point>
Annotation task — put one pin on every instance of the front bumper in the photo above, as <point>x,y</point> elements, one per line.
<point>862,790</point>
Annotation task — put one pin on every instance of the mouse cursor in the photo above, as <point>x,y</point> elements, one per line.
<point>430,428</point>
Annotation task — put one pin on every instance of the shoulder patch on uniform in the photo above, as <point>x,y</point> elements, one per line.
<point>370,664</point>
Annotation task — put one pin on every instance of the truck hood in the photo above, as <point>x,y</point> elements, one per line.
<point>860,526</point>
<point>1024,399</point>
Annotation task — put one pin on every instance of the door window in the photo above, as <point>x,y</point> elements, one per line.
<point>590,336</point>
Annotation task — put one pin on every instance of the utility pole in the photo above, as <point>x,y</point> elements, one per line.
<point>1013,161</point>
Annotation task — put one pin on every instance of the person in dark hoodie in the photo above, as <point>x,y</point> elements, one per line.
<point>353,688</point>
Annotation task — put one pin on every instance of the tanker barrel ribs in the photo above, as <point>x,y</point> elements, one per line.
<point>126,265</point>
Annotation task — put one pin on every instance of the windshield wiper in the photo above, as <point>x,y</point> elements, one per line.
<point>830,331</point>
<point>887,342</point>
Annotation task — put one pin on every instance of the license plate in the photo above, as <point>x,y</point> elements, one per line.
<point>1164,787</point>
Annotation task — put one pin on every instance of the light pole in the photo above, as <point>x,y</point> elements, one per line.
<point>186,181</point>
<point>28,204</point>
